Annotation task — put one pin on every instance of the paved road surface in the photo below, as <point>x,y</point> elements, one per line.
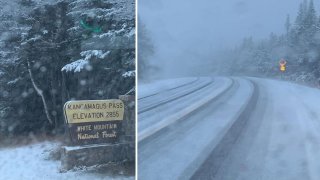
<point>230,129</point>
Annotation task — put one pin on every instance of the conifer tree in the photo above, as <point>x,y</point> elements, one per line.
<point>145,51</point>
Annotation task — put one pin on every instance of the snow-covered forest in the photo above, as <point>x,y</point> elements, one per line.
<point>55,51</point>
<point>299,46</point>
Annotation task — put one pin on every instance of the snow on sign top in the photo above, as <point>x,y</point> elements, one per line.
<point>93,111</point>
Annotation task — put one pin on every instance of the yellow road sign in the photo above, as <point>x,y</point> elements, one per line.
<point>282,64</point>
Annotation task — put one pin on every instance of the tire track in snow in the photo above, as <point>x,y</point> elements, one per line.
<point>214,161</point>
<point>174,98</point>
<point>170,89</point>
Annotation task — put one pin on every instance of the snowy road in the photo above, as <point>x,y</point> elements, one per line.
<point>230,128</point>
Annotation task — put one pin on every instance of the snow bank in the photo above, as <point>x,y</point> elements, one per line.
<point>31,162</point>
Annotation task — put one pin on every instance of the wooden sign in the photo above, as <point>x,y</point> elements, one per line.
<point>94,121</point>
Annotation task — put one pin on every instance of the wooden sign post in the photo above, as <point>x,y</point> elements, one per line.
<point>100,131</point>
<point>94,121</point>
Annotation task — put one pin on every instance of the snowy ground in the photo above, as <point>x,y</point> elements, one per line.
<point>32,162</point>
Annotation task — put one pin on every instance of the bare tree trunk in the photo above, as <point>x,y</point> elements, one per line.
<point>54,102</point>
<point>40,93</point>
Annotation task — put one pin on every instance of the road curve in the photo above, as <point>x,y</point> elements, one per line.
<point>281,139</point>
<point>252,129</point>
<point>184,103</point>
<point>155,100</point>
<point>194,135</point>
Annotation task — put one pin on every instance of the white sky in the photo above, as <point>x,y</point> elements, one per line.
<point>191,29</point>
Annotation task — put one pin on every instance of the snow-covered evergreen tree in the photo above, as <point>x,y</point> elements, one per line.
<point>145,51</point>
<point>55,51</point>
<point>107,35</point>
<point>288,25</point>
<point>300,46</point>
